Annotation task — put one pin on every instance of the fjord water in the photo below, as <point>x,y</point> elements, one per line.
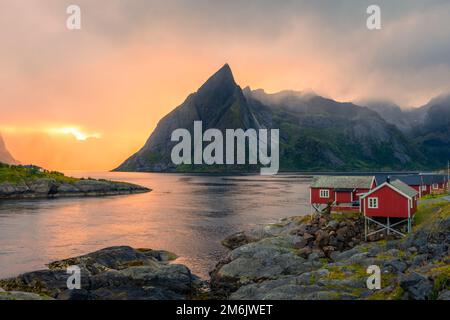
<point>186,214</point>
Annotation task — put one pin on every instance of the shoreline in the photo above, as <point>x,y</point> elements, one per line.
<point>52,189</point>
<point>325,258</point>
<point>319,257</point>
<point>19,197</point>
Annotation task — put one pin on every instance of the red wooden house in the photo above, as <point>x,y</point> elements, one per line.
<point>434,183</point>
<point>394,202</point>
<point>423,183</point>
<point>343,192</point>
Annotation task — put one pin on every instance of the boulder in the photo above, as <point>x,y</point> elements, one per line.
<point>43,186</point>
<point>112,273</point>
<point>397,264</point>
<point>444,295</point>
<point>333,225</point>
<point>265,259</point>
<point>417,286</point>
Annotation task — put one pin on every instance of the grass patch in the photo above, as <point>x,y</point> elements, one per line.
<point>17,174</point>
<point>434,196</point>
<point>340,216</point>
<point>426,211</point>
<point>395,294</point>
<point>441,277</point>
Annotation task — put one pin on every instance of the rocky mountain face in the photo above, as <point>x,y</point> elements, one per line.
<point>316,133</point>
<point>392,113</point>
<point>427,127</point>
<point>5,156</point>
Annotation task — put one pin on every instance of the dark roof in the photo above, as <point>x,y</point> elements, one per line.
<point>434,178</point>
<point>343,182</point>
<point>410,179</point>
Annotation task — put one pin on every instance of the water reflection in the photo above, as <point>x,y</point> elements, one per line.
<point>188,215</point>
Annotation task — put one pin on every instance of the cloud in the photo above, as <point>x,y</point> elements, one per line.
<point>134,60</point>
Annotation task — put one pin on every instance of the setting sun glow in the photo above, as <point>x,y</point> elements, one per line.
<point>76,132</point>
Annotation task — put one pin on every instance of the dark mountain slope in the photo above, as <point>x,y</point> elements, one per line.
<point>219,103</point>
<point>319,133</point>
<point>393,114</point>
<point>433,136</point>
<point>427,127</point>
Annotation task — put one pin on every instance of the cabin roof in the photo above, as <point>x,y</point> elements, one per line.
<point>404,188</point>
<point>410,179</point>
<point>397,186</point>
<point>434,178</point>
<point>343,182</point>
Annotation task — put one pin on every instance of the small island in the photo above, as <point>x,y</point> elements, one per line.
<point>32,182</point>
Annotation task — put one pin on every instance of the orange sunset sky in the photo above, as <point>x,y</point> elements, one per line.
<point>88,99</point>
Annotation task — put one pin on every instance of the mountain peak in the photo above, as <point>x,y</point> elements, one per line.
<point>225,71</point>
<point>224,74</point>
<point>223,79</point>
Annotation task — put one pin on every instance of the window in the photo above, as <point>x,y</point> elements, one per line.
<point>435,186</point>
<point>324,193</point>
<point>424,188</point>
<point>373,203</point>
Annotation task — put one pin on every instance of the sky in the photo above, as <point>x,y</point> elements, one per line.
<point>87,99</point>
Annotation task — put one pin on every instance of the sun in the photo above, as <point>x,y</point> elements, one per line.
<point>76,132</point>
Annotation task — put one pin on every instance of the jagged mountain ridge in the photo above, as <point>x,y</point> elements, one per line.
<point>315,133</point>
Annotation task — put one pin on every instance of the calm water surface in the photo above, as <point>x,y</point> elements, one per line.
<point>185,214</point>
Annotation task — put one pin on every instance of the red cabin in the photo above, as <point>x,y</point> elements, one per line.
<point>423,183</point>
<point>394,201</point>
<point>435,183</point>
<point>343,192</point>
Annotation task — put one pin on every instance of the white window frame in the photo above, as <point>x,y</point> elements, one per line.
<point>324,193</point>
<point>424,188</point>
<point>435,186</point>
<point>372,203</point>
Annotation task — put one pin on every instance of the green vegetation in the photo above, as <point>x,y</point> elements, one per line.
<point>434,196</point>
<point>427,210</point>
<point>340,216</point>
<point>16,174</point>
<point>441,277</point>
<point>395,294</point>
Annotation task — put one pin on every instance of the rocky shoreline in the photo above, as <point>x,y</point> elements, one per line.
<point>319,257</point>
<point>323,258</point>
<point>51,188</point>
<point>116,273</point>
